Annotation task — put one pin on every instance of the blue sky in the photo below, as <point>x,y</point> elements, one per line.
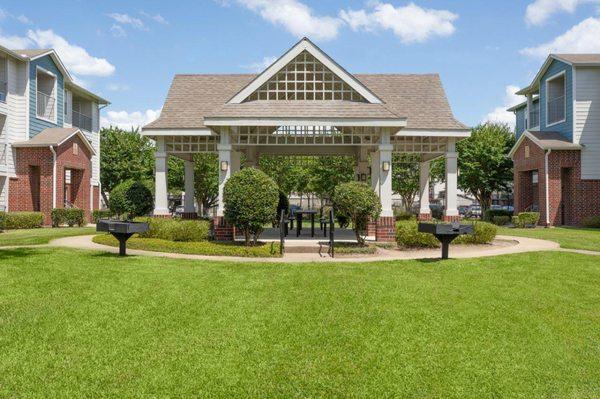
<point>129,51</point>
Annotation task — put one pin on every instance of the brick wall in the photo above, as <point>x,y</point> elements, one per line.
<point>386,229</point>
<point>222,230</point>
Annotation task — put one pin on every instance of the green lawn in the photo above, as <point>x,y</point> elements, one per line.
<point>88,324</point>
<point>40,236</point>
<point>567,237</point>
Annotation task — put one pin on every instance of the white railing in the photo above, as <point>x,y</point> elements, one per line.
<point>81,121</point>
<point>45,106</point>
<point>3,91</point>
<point>534,118</point>
<point>556,109</point>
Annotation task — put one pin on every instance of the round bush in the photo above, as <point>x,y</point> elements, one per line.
<point>408,236</point>
<point>592,221</point>
<point>484,233</point>
<point>359,203</point>
<point>250,198</point>
<point>131,198</point>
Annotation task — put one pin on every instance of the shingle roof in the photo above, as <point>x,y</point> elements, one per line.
<point>419,98</point>
<point>580,58</point>
<point>31,53</point>
<point>53,137</point>
<point>552,141</point>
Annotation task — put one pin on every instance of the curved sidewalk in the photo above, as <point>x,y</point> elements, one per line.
<point>505,245</point>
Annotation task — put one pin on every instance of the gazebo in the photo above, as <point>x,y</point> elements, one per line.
<point>307,104</point>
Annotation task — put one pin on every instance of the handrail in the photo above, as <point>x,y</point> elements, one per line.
<point>45,105</point>
<point>282,232</point>
<point>81,121</point>
<point>331,233</point>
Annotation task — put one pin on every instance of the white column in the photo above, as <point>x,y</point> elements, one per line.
<point>188,205</point>
<point>424,188</point>
<point>375,167</point>
<point>451,179</point>
<point>224,149</point>
<point>362,164</point>
<point>161,199</point>
<point>385,176</point>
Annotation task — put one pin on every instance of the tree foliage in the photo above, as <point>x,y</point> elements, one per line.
<point>206,180</point>
<point>358,202</point>
<point>483,161</point>
<point>405,179</point>
<point>329,172</point>
<point>251,199</point>
<point>132,198</point>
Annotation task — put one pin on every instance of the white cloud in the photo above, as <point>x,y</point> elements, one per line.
<point>118,87</point>
<point>156,18</point>
<point>129,120</point>
<point>117,31</point>
<point>581,38</point>
<point>296,17</point>
<point>500,114</point>
<point>126,19</point>
<point>15,42</point>
<point>540,11</point>
<point>411,23</point>
<point>261,65</point>
<point>24,20</point>
<point>21,18</point>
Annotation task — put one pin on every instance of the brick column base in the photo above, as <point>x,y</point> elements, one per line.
<point>371,228</point>
<point>222,230</point>
<point>189,215</point>
<point>424,217</point>
<point>386,229</point>
<point>451,218</point>
<point>163,216</point>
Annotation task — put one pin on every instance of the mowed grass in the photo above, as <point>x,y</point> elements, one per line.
<point>41,235</point>
<point>88,324</point>
<point>567,237</point>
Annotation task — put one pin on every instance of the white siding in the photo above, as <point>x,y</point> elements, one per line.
<point>586,129</point>
<point>16,105</point>
<point>69,111</point>
<point>3,193</point>
<point>95,139</point>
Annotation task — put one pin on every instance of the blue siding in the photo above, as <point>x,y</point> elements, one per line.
<point>565,128</point>
<point>37,125</point>
<point>520,124</point>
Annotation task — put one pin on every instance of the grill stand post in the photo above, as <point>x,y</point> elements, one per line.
<point>122,237</point>
<point>446,239</point>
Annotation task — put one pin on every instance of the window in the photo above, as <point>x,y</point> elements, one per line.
<point>46,95</point>
<point>534,177</point>
<point>3,79</point>
<point>534,114</point>
<point>555,99</point>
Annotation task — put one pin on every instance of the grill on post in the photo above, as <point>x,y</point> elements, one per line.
<point>445,233</point>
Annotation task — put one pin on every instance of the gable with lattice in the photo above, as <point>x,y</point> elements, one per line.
<point>306,78</point>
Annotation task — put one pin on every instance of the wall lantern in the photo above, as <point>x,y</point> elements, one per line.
<point>385,166</point>
<point>224,166</point>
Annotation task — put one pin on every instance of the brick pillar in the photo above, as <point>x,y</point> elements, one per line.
<point>451,218</point>
<point>424,217</point>
<point>189,215</point>
<point>222,230</point>
<point>371,228</point>
<point>386,229</point>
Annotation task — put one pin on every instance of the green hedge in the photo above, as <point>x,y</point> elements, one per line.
<point>176,229</point>
<point>22,220</point>
<point>501,220</point>
<point>403,215</point>
<point>69,216</point>
<point>490,214</point>
<point>101,214</point>
<point>408,236</point>
<point>2,220</point>
<point>592,221</point>
<point>526,219</point>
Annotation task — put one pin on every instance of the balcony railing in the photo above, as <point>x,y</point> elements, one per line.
<point>556,109</point>
<point>45,106</point>
<point>81,121</point>
<point>534,118</point>
<point>3,91</point>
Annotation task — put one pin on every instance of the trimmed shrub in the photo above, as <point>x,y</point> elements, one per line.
<point>437,212</point>
<point>592,221</point>
<point>250,198</point>
<point>501,220</point>
<point>101,214</point>
<point>23,220</point>
<point>403,215</point>
<point>359,203</point>
<point>490,214</point>
<point>408,236</point>
<point>526,219</point>
<point>131,198</point>
<point>58,216</point>
<point>74,217</point>
<point>2,220</point>
<point>176,229</point>
<point>484,233</point>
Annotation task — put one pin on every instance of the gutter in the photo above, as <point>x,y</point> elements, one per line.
<point>53,176</point>
<point>547,189</point>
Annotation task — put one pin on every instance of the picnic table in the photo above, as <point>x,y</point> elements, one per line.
<point>300,215</point>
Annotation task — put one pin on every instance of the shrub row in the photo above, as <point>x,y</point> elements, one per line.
<point>501,220</point>
<point>592,221</point>
<point>101,214</point>
<point>403,215</point>
<point>176,229</point>
<point>408,235</point>
<point>21,220</point>
<point>69,216</point>
<point>490,214</point>
<point>526,219</point>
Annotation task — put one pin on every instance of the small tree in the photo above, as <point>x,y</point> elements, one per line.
<point>206,180</point>
<point>358,202</point>
<point>250,198</point>
<point>405,182</point>
<point>131,198</point>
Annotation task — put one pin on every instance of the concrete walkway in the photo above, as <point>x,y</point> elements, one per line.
<point>503,245</point>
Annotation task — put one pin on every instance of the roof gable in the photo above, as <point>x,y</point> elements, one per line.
<point>303,49</point>
<point>551,58</point>
<point>55,137</point>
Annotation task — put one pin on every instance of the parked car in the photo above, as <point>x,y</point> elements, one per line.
<point>179,210</point>
<point>462,209</point>
<point>508,208</point>
<point>495,207</point>
<point>474,211</point>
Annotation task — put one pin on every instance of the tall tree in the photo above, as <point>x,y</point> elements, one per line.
<point>405,179</point>
<point>206,181</point>
<point>483,162</point>
<point>124,156</point>
<point>282,170</point>
<point>328,172</point>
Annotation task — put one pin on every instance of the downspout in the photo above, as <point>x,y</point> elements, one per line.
<point>53,176</point>
<point>547,187</point>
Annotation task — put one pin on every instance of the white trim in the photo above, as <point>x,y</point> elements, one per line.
<point>178,132</point>
<point>57,61</point>
<point>433,133</point>
<point>574,104</point>
<point>400,122</point>
<point>550,78</point>
<point>28,98</point>
<point>86,142</point>
<point>289,56</point>
<point>53,176</point>
<point>47,72</point>
<point>539,144</point>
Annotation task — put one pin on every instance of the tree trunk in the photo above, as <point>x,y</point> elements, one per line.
<point>104,197</point>
<point>247,237</point>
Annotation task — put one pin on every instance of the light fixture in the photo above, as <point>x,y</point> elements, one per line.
<point>224,166</point>
<point>385,166</point>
